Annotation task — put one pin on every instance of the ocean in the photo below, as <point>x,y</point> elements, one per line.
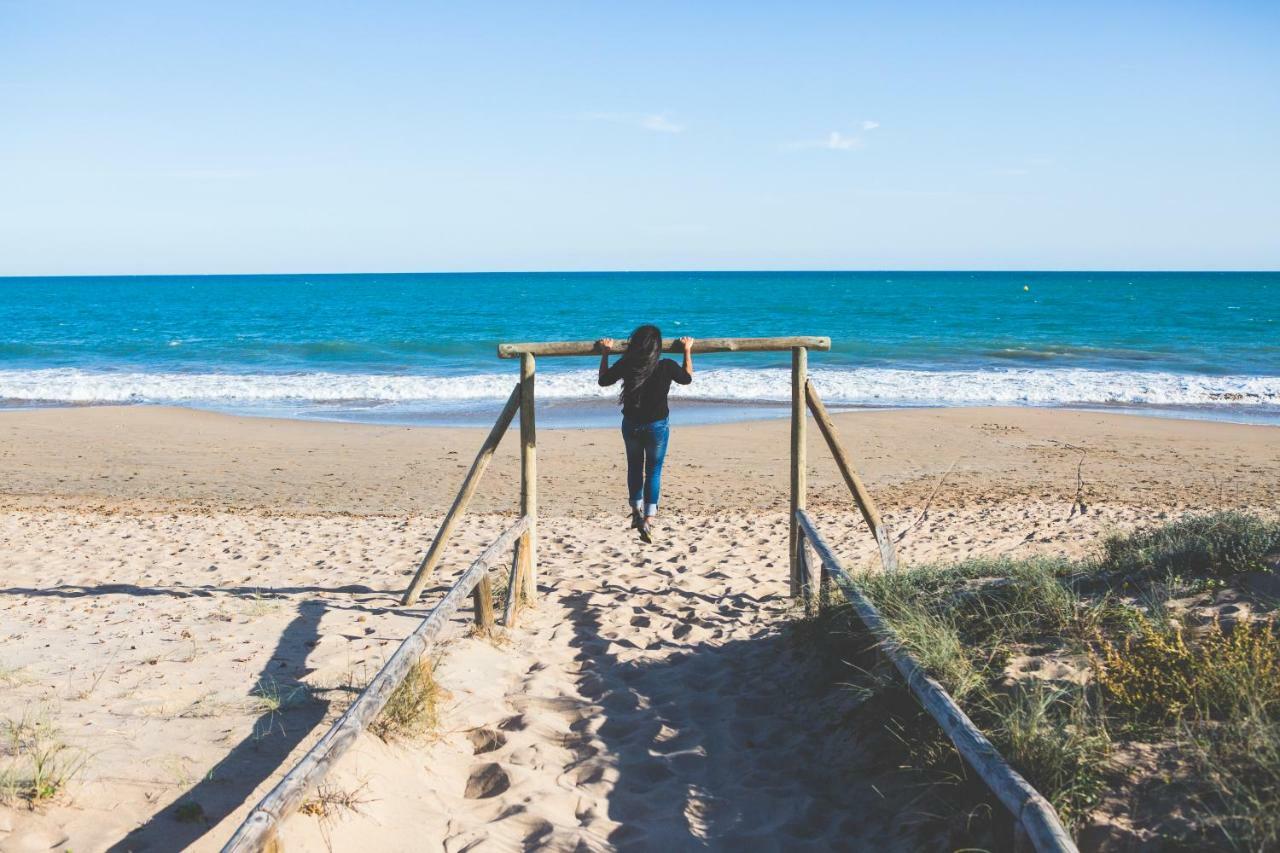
<point>420,348</point>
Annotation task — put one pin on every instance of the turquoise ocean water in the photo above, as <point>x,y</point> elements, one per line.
<point>411,348</point>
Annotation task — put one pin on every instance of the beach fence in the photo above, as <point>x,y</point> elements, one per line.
<point>1037,825</point>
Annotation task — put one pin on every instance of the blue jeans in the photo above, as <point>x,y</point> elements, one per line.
<point>646,448</point>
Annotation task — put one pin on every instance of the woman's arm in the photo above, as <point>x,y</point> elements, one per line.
<point>604,345</point>
<point>687,343</point>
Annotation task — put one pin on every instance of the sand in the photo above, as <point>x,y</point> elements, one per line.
<point>189,598</point>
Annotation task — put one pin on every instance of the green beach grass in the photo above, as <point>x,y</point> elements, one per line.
<point>1139,689</point>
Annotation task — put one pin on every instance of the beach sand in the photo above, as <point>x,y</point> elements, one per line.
<point>188,599</point>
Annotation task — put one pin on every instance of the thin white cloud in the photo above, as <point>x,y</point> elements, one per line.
<point>208,174</point>
<point>661,124</point>
<point>837,140</point>
<point>656,122</point>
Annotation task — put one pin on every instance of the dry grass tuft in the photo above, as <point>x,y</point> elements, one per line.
<point>414,708</point>
<point>330,801</point>
<point>12,676</point>
<point>35,764</point>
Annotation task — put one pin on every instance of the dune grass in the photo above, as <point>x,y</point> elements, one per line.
<point>414,707</point>
<point>35,763</point>
<point>1135,669</point>
<point>330,801</point>
<point>1213,545</point>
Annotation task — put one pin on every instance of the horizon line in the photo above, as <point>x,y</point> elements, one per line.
<point>665,271</point>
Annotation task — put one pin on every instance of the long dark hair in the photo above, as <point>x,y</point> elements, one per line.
<point>640,360</point>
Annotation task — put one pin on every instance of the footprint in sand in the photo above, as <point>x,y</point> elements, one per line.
<point>518,723</point>
<point>487,780</point>
<point>708,816</point>
<point>486,740</point>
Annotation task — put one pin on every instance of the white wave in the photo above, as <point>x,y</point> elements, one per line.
<point>850,386</point>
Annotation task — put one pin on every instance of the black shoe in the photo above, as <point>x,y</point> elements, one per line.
<point>637,520</point>
<point>645,535</point>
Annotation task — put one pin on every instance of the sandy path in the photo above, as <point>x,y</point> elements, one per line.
<point>666,703</point>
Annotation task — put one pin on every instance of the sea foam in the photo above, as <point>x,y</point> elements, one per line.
<point>847,386</point>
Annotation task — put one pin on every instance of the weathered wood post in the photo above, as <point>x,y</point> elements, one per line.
<point>510,610</point>
<point>483,598</point>
<point>529,476</point>
<point>799,485</point>
<point>811,577</point>
<point>824,585</point>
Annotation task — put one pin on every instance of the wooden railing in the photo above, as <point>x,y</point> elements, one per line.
<point>1035,820</point>
<point>1034,816</point>
<point>260,827</point>
<point>262,824</point>
<point>700,345</point>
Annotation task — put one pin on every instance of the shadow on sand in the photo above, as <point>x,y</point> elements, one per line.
<point>756,744</point>
<point>276,732</point>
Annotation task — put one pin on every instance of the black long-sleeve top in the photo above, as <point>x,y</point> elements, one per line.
<point>652,405</point>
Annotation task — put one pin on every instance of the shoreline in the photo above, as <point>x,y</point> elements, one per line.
<point>556,414</point>
<point>150,456</point>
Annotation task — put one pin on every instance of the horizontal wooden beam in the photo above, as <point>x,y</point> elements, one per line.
<point>1028,806</point>
<point>700,345</point>
<point>263,822</point>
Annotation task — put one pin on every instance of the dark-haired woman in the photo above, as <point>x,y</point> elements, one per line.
<point>646,378</point>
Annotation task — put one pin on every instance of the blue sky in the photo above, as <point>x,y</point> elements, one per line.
<point>161,137</point>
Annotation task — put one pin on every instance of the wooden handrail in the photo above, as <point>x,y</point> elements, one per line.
<point>263,822</point>
<point>1028,806</point>
<point>672,345</point>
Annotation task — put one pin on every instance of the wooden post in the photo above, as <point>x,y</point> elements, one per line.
<point>260,827</point>
<point>529,476</point>
<point>824,584</point>
<point>483,599</point>
<point>513,584</point>
<point>469,486</point>
<point>809,578</point>
<point>799,469</point>
<point>861,497</point>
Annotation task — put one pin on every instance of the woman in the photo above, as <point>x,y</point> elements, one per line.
<point>646,378</point>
